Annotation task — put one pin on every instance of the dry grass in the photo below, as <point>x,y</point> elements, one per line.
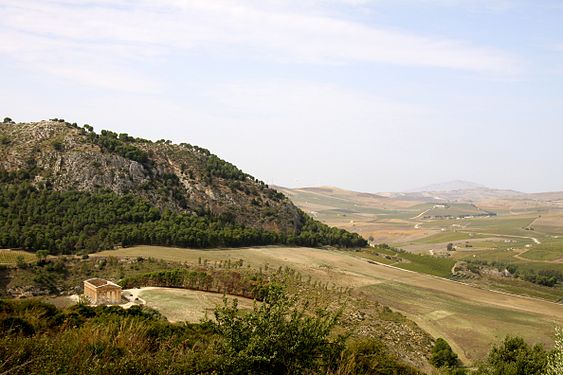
<point>179,305</point>
<point>469,317</point>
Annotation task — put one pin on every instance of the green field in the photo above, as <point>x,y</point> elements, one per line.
<point>436,266</point>
<point>500,225</point>
<point>430,265</point>
<point>453,210</point>
<point>448,236</point>
<point>509,257</point>
<point>548,250</point>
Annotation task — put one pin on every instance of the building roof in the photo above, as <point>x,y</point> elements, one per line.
<point>98,283</point>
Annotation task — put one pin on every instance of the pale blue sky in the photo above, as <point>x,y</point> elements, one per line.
<point>374,95</point>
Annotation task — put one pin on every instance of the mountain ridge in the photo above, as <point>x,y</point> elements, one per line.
<point>448,186</point>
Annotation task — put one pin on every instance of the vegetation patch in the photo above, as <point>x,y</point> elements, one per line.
<point>72,221</point>
<point>279,335</point>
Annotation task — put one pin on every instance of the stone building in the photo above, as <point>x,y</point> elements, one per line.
<point>102,292</point>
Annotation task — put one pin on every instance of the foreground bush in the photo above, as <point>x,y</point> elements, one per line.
<point>443,355</point>
<point>555,360</point>
<point>515,357</point>
<point>279,336</point>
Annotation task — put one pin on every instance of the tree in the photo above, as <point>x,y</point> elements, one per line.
<point>555,360</point>
<point>450,246</point>
<point>443,355</point>
<point>20,262</point>
<point>514,357</point>
<point>41,255</point>
<point>277,336</point>
<point>8,120</point>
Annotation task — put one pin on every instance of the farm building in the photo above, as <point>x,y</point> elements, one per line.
<point>102,292</point>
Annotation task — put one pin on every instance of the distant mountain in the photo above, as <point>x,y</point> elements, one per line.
<point>317,199</point>
<point>456,191</point>
<point>450,186</point>
<point>321,197</point>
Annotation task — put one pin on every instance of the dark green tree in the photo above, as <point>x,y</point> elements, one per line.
<point>277,337</point>
<point>515,357</point>
<point>42,255</point>
<point>443,355</point>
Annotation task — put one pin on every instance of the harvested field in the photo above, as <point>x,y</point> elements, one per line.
<point>470,317</point>
<point>179,305</point>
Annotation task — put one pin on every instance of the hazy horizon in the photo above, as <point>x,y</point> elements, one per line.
<point>414,189</point>
<point>363,95</point>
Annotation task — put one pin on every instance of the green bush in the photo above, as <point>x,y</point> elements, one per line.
<point>370,356</point>
<point>58,145</point>
<point>15,325</point>
<point>276,337</point>
<point>443,355</point>
<point>514,357</point>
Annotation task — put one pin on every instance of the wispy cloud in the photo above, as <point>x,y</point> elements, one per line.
<point>85,41</point>
<point>489,5</point>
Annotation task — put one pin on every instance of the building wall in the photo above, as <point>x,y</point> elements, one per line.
<point>90,292</point>
<point>107,294</point>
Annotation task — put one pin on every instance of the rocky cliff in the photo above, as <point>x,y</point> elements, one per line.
<point>180,177</point>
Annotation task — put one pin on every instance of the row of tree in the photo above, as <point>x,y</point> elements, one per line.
<point>244,284</point>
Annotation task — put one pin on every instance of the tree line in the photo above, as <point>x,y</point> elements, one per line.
<point>66,222</point>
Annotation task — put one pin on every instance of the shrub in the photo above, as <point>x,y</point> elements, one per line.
<point>370,356</point>
<point>443,355</point>
<point>58,145</point>
<point>15,325</point>
<point>514,357</point>
<point>555,360</point>
<point>276,337</point>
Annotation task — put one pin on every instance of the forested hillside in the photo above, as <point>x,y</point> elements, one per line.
<point>68,189</point>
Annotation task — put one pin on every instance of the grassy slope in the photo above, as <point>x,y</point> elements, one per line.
<point>471,318</point>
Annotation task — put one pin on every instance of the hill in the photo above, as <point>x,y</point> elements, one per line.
<point>66,188</point>
<point>449,186</point>
<point>457,191</point>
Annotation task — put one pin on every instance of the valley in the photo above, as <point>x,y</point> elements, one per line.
<point>177,227</point>
<point>469,317</point>
<point>523,229</point>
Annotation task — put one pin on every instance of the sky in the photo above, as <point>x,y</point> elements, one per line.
<point>368,95</point>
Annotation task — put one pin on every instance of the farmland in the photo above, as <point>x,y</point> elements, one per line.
<point>527,230</point>
<point>184,304</point>
<point>434,303</point>
<point>10,257</point>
